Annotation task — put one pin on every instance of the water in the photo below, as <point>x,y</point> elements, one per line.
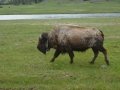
<point>56,16</point>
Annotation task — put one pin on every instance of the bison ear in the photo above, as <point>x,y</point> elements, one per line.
<point>44,36</point>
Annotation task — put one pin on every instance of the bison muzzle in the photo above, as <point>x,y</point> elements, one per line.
<point>66,39</point>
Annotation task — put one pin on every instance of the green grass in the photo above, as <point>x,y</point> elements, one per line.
<point>62,7</point>
<point>22,66</point>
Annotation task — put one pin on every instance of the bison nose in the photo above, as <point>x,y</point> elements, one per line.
<point>41,50</point>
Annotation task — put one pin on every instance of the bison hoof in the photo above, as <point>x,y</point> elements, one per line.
<point>51,60</point>
<point>91,62</point>
<point>71,62</point>
<point>107,63</point>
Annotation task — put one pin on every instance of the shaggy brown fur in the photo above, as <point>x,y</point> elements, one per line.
<point>66,39</point>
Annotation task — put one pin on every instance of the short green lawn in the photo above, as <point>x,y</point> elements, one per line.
<point>62,7</point>
<point>23,67</point>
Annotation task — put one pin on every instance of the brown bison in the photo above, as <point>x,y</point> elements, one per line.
<point>66,39</point>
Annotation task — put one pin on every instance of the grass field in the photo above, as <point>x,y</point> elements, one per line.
<point>62,7</point>
<point>23,67</point>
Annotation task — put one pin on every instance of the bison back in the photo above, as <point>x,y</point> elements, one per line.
<point>79,39</point>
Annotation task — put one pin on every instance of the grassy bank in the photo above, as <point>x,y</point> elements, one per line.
<point>22,66</point>
<point>62,7</point>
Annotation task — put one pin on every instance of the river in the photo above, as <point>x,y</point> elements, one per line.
<point>56,16</point>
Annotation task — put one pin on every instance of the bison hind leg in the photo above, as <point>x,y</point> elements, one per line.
<point>104,51</point>
<point>96,52</point>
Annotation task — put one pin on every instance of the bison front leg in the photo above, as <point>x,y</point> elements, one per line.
<point>71,54</point>
<point>56,54</point>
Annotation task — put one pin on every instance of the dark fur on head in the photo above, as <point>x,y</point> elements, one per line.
<point>42,44</point>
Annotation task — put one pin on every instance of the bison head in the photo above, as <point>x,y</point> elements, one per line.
<point>43,43</point>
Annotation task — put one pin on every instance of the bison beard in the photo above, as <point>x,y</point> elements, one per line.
<point>66,39</point>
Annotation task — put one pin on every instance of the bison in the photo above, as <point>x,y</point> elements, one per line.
<point>69,38</point>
